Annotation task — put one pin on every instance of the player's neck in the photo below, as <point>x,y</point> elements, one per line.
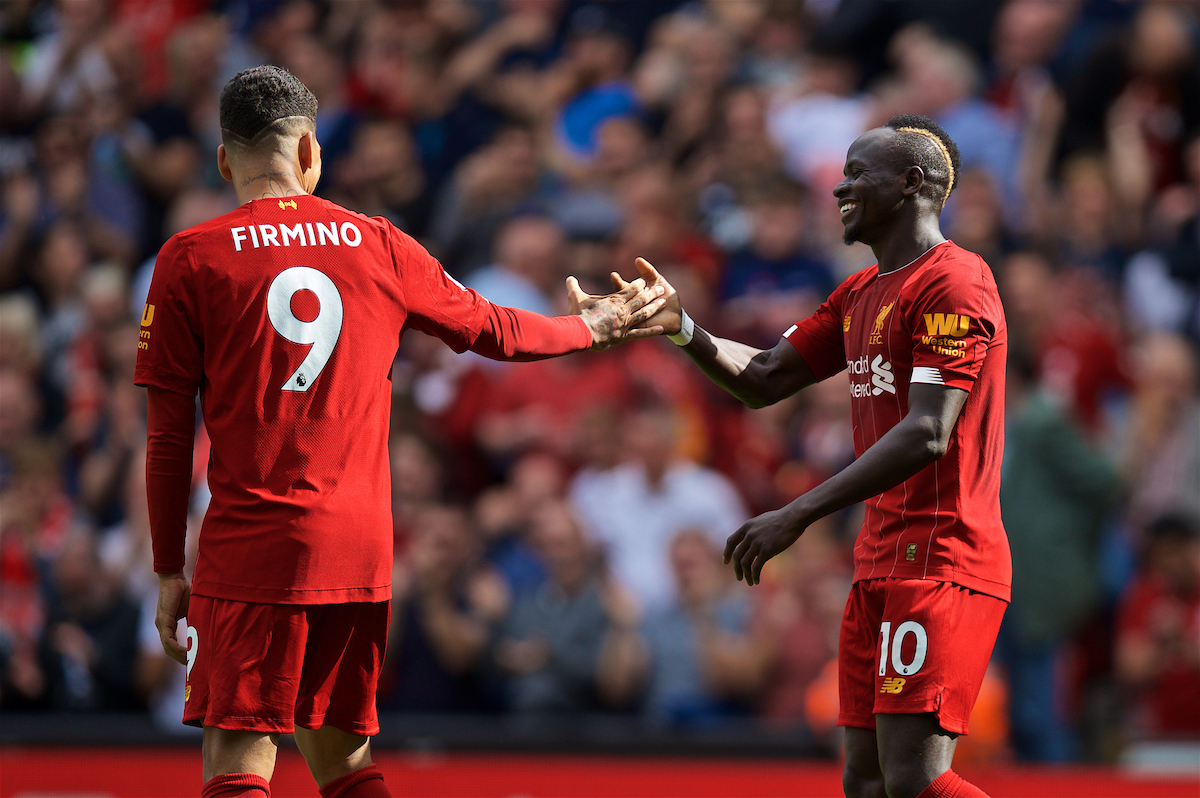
<point>267,178</point>
<point>903,244</point>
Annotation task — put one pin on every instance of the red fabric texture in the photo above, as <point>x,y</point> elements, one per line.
<point>951,785</point>
<point>288,665</point>
<point>170,431</point>
<point>363,783</point>
<point>936,321</point>
<point>237,785</point>
<point>286,315</point>
<point>938,644</point>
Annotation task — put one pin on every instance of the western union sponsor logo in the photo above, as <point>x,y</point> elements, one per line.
<point>955,324</point>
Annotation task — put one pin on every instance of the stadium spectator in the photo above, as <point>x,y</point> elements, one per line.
<point>637,508</point>
<point>697,660</point>
<point>445,607</point>
<point>1056,493</point>
<point>529,265</point>
<point>550,643</point>
<point>1162,439</point>
<point>815,126</point>
<point>90,649</point>
<point>777,277</point>
<point>1079,359</point>
<point>486,190</point>
<point>380,174</point>
<point>1157,654</point>
<point>1156,63</point>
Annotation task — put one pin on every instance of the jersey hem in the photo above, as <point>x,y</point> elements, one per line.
<point>272,595</point>
<point>997,590</point>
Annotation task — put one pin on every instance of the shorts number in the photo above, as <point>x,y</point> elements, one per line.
<point>193,640</point>
<point>322,332</point>
<point>897,643</point>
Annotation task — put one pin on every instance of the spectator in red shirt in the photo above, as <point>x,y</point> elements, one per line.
<point>1158,631</point>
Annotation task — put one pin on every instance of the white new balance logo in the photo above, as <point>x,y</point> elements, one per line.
<point>881,376</point>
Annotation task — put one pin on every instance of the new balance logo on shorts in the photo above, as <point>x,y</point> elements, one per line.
<point>892,685</point>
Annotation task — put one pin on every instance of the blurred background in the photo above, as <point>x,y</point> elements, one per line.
<point>558,524</point>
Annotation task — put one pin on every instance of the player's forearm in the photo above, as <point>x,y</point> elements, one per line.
<point>515,334</point>
<point>904,450</point>
<point>736,367</point>
<point>170,431</point>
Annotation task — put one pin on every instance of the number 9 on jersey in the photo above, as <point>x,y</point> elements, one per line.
<point>322,332</point>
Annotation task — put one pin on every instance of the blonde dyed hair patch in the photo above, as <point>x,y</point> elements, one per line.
<point>942,149</point>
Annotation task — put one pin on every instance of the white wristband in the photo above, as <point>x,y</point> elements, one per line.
<point>687,329</point>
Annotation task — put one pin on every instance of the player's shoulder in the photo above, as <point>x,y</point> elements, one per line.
<point>950,262</point>
<point>377,225</point>
<point>340,210</point>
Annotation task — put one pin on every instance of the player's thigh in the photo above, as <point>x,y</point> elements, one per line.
<point>332,753</point>
<point>934,643</point>
<point>913,751</point>
<point>227,751</point>
<point>862,776</point>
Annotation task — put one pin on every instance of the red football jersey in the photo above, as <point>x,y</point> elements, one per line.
<point>938,320</point>
<point>286,316</point>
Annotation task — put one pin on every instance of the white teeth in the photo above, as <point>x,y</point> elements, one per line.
<point>849,206</point>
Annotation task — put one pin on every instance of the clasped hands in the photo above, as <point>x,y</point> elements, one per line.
<point>643,308</point>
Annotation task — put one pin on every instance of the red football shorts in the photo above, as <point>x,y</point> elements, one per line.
<point>909,646</point>
<point>270,667</point>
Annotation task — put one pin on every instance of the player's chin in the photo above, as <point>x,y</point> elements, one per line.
<point>851,233</point>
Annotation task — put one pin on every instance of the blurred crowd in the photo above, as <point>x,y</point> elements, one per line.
<point>559,524</point>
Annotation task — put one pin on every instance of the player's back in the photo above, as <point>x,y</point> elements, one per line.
<point>286,314</point>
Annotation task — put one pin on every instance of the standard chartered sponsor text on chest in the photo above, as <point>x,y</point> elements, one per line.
<point>882,376</point>
<point>301,234</point>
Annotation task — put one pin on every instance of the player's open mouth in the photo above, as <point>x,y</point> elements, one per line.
<point>846,207</point>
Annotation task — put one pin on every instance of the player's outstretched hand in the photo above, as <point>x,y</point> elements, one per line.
<point>618,316</point>
<point>174,593</point>
<point>669,319</point>
<point>758,540</point>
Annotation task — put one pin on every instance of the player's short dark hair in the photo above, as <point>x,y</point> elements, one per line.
<point>923,143</point>
<point>264,101</point>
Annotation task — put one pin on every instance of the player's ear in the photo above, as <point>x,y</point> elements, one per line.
<point>306,150</point>
<point>223,163</point>
<point>914,179</point>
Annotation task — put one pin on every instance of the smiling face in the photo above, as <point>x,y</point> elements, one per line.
<point>873,187</point>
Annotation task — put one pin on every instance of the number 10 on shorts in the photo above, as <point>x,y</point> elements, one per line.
<point>896,644</point>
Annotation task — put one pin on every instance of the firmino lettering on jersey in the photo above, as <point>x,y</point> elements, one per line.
<point>302,234</point>
<point>882,378</point>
